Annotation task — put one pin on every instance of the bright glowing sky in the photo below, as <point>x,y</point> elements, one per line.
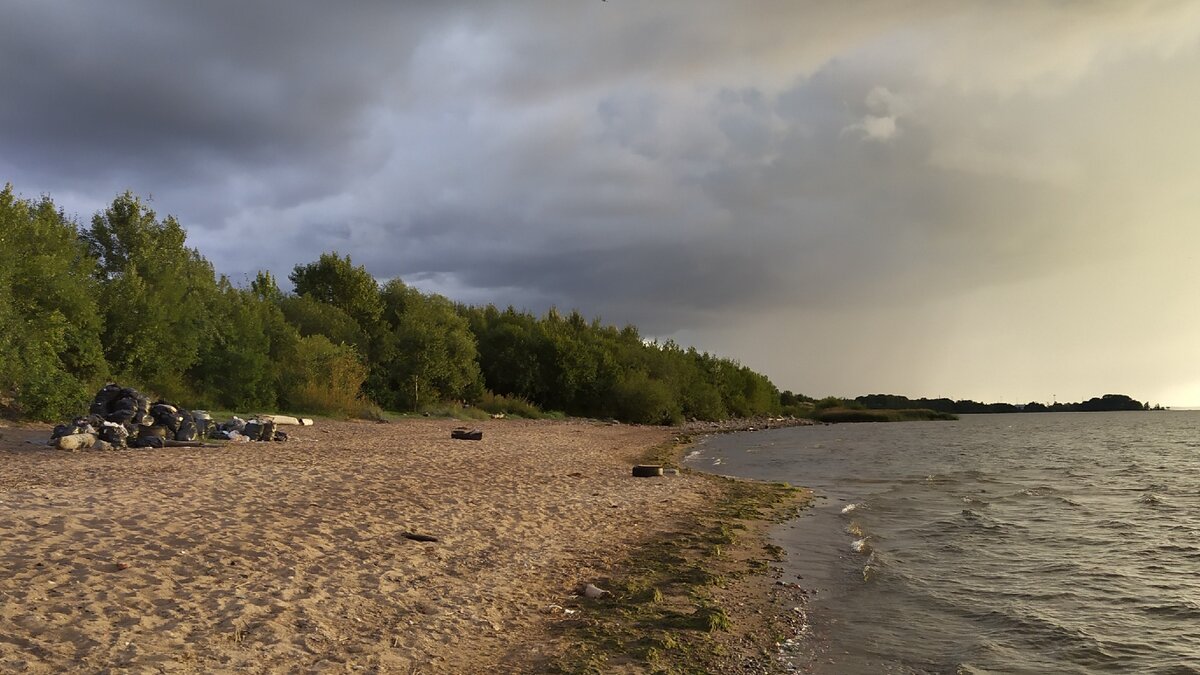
<point>998,201</point>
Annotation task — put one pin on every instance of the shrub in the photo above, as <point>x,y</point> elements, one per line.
<point>512,406</point>
<point>454,410</point>
<point>324,378</point>
<point>643,400</point>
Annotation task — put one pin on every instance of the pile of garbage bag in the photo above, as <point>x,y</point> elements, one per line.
<point>122,417</point>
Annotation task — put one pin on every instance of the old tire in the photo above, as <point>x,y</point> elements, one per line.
<point>647,470</point>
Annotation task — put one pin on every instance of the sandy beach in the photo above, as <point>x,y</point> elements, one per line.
<point>279,557</point>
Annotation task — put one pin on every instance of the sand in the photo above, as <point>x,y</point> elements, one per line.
<point>289,557</point>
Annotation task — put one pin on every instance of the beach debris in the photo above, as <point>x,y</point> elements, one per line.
<point>594,592</point>
<point>497,416</point>
<point>647,470</point>
<point>559,609</point>
<point>121,417</point>
<point>287,420</point>
<point>418,537</point>
<point>75,442</point>
<point>465,434</point>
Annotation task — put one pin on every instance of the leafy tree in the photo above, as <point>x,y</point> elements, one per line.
<point>50,352</point>
<point>234,367</point>
<point>434,350</point>
<point>336,281</point>
<point>313,317</point>
<point>155,295</point>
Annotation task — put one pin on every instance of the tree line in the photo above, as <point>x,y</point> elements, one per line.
<point>125,299</point>
<point>1105,403</point>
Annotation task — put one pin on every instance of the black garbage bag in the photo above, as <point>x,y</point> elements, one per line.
<point>102,403</point>
<point>256,430</point>
<point>121,416</point>
<point>187,430</point>
<point>151,437</point>
<point>204,425</point>
<point>114,434</point>
<point>166,415</point>
<point>148,442</point>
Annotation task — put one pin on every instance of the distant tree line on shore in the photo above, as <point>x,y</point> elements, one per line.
<point>125,299</point>
<point>1105,403</point>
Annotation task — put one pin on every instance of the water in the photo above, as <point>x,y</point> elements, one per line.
<point>1035,543</point>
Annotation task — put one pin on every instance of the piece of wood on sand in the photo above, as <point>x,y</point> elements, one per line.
<point>287,419</point>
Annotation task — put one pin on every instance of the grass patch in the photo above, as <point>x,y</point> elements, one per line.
<point>661,616</point>
<point>456,411</point>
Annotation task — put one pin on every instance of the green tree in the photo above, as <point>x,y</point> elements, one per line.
<point>50,351</point>
<point>155,295</point>
<point>235,368</point>
<point>434,352</point>
<point>313,317</point>
<point>337,281</point>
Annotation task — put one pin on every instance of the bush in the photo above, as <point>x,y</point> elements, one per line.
<point>324,378</point>
<point>370,411</point>
<point>512,406</point>
<point>642,400</point>
<point>455,410</point>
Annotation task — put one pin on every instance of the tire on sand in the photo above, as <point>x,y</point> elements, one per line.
<point>647,470</point>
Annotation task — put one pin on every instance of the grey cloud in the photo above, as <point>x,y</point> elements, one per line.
<point>671,164</point>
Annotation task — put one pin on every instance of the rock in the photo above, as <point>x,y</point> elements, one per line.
<point>593,591</point>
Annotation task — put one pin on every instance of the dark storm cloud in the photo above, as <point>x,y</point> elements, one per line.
<point>685,166</point>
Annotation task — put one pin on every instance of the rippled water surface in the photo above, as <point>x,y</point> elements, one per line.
<point>1039,543</point>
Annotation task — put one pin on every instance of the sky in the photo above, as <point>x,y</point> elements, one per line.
<point>996,201</point>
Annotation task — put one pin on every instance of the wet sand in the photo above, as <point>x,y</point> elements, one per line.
<point>290,557</point>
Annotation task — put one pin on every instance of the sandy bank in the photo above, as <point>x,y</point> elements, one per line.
<point>289,557</point>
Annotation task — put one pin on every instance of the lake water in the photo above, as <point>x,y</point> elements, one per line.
<point>1028,543</point>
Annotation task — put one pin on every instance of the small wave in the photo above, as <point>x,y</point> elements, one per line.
<point>861,546</point>
<point>1172,547</point>
<point>692,454</point>
<point>978,521</point>
<point>1151,499</point>
<point>717,462</point>
<point>850,507</point>
<point>855,529</point>
<point>1183,610</point>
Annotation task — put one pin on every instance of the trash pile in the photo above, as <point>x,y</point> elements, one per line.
<point>121,417</point>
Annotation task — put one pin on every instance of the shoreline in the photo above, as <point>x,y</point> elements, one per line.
<point>291,555</point>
